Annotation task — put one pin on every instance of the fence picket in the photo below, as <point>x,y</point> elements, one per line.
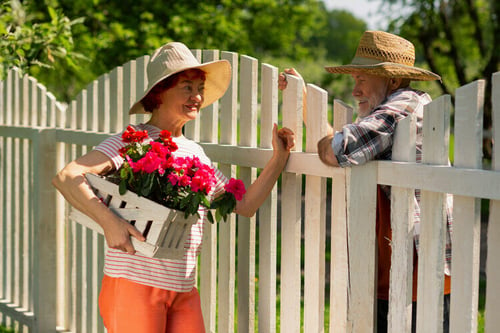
<point>339,266</point>
<point>402,210</point>
<point>361,196</point>
<point>208,257</point>
<point>268,212</point>
<point>492,320</point>
<point>432,234</point>
<point>247,226</point>
<point>314,217</point>
<point>290,287</point>
<point>466,223</point>
<point>227,229</point>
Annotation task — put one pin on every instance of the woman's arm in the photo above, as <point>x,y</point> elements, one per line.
<point>257,192</point>
<point>71,183</point>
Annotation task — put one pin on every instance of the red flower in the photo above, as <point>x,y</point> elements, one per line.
<point>131,135</point>
<point>236,187</point>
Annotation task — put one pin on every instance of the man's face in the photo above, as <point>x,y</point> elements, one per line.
<point>369,91</point>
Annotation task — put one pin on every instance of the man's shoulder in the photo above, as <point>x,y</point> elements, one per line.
<point>409,94</point>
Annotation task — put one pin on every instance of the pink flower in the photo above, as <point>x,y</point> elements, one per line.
<point>236,187</point>
<point>173,178</point>
<point>151,162</point>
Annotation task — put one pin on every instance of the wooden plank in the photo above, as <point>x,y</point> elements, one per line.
<point>103,117</point>
<point>246,226</point>
<point>402,210</point>
<point>492,320</point>
<point>268,212</point>
<point>361,184</point>
<point>441,178</point>
<point>291,187</point>
<point>129,89</point>
<point>227,229</point>
<point>91,111</point>
<point>141,84</point>
<point>315,214</point>
<point>42,105</point>
<point>208,257</point>
<point>469,102</point>
<point>45,234</point>
<point>433,220</point>
<point>116,97</point>
<point>339,266</point>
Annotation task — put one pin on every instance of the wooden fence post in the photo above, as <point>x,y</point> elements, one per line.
<point>314,217</point>
<point>268,212</point>
<point>291,216</point>
<point>402,210</point>
<point>466,235</point>
<point>44,233</point>
<point>433,223</point>
<point>492,320</point>
<point>361,187</point>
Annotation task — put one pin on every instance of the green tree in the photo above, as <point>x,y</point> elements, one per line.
<point>29,43</point>
<point>116,31</point>
<point>457,38</point>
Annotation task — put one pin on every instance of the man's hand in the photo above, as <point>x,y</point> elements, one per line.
<point>282,83</point>
<point>325,151</point>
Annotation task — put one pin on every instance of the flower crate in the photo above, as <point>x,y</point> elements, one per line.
<point>165,229</point>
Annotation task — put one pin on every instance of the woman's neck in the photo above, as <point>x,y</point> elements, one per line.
<point>166,124</point>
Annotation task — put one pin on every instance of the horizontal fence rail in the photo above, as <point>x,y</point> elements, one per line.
<point>306,262</point>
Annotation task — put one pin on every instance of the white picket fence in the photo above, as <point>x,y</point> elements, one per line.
<point>51,267</point>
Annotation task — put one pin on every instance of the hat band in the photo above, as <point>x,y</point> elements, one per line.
<point>368,61</point>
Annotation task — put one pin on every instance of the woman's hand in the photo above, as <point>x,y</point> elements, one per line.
<point>283,139</point>
<point>118,231</point>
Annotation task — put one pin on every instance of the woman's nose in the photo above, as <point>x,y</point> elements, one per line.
<point>198,97</point>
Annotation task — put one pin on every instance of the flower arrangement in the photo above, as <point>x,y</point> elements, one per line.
<point>182,183</point>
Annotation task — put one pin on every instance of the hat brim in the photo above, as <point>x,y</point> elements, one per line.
<point>218,77</point>
<point>386,69</point>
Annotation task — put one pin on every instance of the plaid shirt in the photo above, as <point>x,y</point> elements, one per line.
<point>370,138</point>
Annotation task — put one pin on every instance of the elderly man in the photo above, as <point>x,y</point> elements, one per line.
<point>382,69</point>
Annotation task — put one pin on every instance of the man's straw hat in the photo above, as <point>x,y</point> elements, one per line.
<point>175,57</point>
<point>384,54</point>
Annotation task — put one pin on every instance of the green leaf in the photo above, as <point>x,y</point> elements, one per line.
<point>122,188</point>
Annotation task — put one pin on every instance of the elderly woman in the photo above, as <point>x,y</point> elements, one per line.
<point>141,294</point>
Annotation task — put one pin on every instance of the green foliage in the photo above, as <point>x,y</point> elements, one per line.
<point>456,39</point>
<point>115,32</point>
<point>6,330</point>
<point>30,43</point>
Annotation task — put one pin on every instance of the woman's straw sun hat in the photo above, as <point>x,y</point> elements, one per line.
<point>175,57</point>
<point>384,54</point>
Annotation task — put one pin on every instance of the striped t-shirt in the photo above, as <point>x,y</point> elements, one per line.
<point>175,275</point>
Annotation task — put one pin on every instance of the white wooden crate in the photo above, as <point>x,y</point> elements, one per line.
<point>165,229</point>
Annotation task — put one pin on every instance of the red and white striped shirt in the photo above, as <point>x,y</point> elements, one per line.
<point>175,275</point>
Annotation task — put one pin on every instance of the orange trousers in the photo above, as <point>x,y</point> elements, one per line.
<point>129,307</point>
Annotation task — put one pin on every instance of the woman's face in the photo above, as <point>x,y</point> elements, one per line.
<point>183,100</point>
